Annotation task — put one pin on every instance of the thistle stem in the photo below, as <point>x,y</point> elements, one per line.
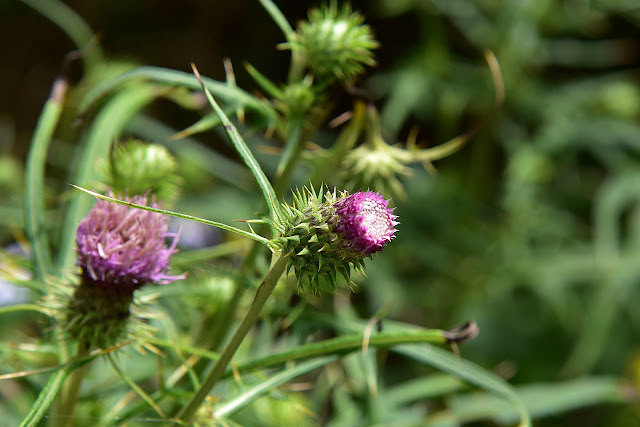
<point>262,294</point>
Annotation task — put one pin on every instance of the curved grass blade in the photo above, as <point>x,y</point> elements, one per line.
<point>106,128</point>
<point>265,186</point>
<point>207,159</point>
<point>46,398</point>
<point>68,21</point>
<point>226,227</point>
<point>230,94</point>
<point>278,17</point>
<point>468,371</point>
<point>280,378</point>
<point>266,84</point>
<point>134,386</point>
<point>422,388</point>
<point>52,389</point>
<point>543,399</point>
<point>204,124</point>
<point>34,178</point>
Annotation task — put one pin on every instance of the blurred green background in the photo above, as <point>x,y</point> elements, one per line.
<point>532,230</point>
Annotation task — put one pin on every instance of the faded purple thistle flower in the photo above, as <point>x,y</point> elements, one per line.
<point>365,222</point>
<point>121,248</point>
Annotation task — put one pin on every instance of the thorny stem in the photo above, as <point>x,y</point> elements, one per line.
<point>262,294</point>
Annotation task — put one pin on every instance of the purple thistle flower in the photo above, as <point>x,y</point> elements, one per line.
<point>365,222</point>
<point>121,248</point>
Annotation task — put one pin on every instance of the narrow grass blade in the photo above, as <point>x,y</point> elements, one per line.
<point>134,386</point>
<point>207,159</point>
<point>541,400</point>
<point>422,388</point>
<point>261,389</point>
<point>226,227</point>
<point>266,84</point>
<point>106,128</point>
<point>46,397</point>
<point>34,177</point>
<point>278,18</point>
<point>234,136</point>
<point>204,124</point>
<point>230,94</point>
<point>66,19</point>
<point>468,371</point>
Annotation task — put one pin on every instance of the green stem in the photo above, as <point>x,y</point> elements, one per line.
<point>70,391</point>
<point>225,317</point>
<point>106,128</point>
<point>262,294</point>
<point>342,345</point>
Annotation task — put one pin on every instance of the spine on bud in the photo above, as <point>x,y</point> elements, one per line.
<point>330,234</point>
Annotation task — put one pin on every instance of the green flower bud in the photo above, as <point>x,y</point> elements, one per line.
<point>334,43</point>
<point>139,168</point>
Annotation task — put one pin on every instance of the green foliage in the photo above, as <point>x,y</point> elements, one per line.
<point>532,229</point>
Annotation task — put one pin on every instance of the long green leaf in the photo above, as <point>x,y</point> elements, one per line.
<point>106,128</point>
<point>234,136</point>
<point>68,21</point>
<point>34,185</point>
<point>224,91</point>
<point>46,397</point>
<point>421,388</point>
<point>209,160</point>
<point>264,387</point>
<point>278,17</point>
<point>466,370</point>
<point>541,400</point>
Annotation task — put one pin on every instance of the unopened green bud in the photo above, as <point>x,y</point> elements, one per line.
<point>334,42</point>
<point>138,168</point>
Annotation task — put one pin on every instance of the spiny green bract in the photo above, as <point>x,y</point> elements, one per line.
<point>307,235</point>
<point>335,42</point>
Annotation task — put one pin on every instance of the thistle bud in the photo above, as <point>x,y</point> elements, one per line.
<point>142,168</point>
<point>329,234</point>
<point>334,43</point>
<point>120,249</point>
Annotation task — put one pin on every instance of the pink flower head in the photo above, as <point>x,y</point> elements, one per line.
<point>365,222</point>
<point>122,248</point>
